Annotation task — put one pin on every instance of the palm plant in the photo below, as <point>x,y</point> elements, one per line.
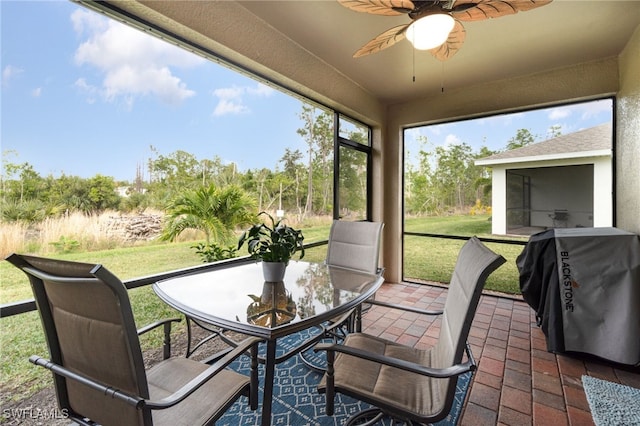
<point>217,212</point>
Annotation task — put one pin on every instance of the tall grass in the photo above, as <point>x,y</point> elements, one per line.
<point>88,232</point>
<point>12,238</point>
<point>75,232</point>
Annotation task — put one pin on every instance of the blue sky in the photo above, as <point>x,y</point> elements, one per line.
<point>83,95</point>
<point>495,132</point>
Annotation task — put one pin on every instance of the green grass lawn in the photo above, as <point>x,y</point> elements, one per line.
<point>433,259</point>
<point>21,336</point>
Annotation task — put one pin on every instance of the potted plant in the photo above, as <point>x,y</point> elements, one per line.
<point>275,244</point>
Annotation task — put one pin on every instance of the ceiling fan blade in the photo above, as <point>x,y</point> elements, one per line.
<point>452,45</point>
<point>523,5</point>
<point>384,40</point>
<point>379,7</point>
<point>485,9</point>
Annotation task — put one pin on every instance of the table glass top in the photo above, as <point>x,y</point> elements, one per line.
<point>240,294</point>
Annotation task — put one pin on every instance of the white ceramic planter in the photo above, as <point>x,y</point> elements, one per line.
<point>274,271</point>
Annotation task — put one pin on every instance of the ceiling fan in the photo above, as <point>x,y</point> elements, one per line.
<point>430,15</point>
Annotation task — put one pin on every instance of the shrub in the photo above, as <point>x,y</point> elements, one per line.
<point>65,245</point>
<point>214,252</point>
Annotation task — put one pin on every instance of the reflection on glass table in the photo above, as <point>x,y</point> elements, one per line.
<point>274,306</point>
<point>235,297</point>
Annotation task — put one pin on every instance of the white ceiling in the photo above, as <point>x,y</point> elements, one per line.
<point>556,35</point>
<point>560,34</point>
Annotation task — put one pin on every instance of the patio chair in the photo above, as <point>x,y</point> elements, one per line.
<point>355,245</point>
<point>352,245</point>
<point>97,364</point>
<point>403,382</point>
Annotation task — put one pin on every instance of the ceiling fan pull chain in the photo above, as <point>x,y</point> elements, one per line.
<point>442,79</point>
<point>413,51</point>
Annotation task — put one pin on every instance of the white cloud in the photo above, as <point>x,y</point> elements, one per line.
<point>413,133</point>
<point>439,129</point>
<point>82,84</point>
<point>233,92</point>
<point>85,22</point>
<point>9,72</point>
<point>231,99</point>
<point>36,92</point>
<point>226,106</point>
<point>261,90</point>
<point>452,139</point>
<point>436,130</point>
<point>592,109</point>
<point>586,110</point>
<point>559,113</point>
<point>88,90</point>
<point>133,64</point>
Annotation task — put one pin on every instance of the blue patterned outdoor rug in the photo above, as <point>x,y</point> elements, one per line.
<point>612,403</point>
<point>296,401</point>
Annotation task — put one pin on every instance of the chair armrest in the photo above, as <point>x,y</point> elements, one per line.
<point>154,325</point>
<point>166,344</point>
<point>176,397</point>
<point>136,401</point>
<point>250,343</point>
<point>335,322</point>
<point>441,373</point>
<point>404,308</point>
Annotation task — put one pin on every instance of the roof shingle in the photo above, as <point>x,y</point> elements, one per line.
<point>592,139</point>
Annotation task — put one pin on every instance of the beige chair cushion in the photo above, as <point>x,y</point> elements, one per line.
<point>405,391</point>
<point>354,245</point>
<point>168,376</point>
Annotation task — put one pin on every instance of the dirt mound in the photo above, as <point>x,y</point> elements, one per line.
<point>142,227</point>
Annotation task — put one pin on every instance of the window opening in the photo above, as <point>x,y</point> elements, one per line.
<point>504,177</point>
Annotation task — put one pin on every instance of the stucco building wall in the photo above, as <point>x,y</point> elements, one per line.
<point>627,149</point>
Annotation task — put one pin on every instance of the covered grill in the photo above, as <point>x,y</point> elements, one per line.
<point>584,284</point>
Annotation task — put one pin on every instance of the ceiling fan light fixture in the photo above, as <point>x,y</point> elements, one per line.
<point>430,31</point>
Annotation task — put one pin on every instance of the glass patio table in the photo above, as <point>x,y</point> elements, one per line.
<point>235,297</point>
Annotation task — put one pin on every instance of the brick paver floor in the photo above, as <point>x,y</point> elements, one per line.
<point>517,382</point>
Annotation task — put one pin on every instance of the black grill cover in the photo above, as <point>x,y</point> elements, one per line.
<point>584,285</point>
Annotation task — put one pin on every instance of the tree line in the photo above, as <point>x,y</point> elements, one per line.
<point>442,179</point>
<point>301,183</point>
